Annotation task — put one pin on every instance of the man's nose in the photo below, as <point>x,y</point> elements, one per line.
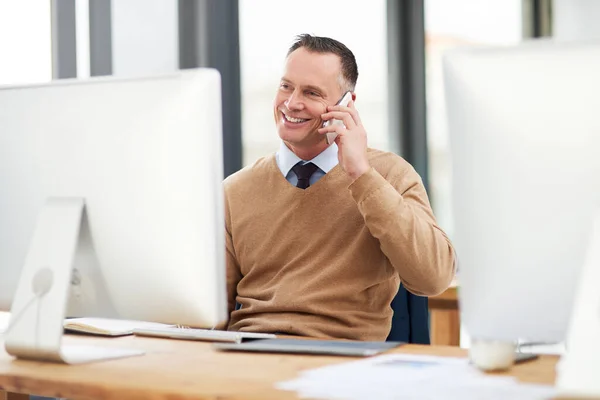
<point>294,102</point>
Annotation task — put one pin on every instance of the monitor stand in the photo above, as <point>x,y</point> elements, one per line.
<point>38,310</point>
<point>577,371</point>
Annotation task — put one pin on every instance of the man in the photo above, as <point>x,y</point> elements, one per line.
<point>320,236</point>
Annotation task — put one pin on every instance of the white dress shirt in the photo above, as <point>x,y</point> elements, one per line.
<point>326,160</point>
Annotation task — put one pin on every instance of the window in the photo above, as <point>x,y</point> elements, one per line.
<point>267,29</point>
<point>25,42</point>
<point>450,24</point>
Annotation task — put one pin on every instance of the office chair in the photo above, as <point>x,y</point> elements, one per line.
<point>410,322</point>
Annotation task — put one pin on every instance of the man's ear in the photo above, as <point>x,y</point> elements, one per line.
<point>353,96</point>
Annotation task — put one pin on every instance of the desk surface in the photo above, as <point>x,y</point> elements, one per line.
<point>174,369</point>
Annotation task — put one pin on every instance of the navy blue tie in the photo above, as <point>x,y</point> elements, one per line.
<point>304,172</point>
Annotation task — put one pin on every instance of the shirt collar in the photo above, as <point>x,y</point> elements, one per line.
<point>326,160</point>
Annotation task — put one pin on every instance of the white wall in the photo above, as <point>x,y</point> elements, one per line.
<point>25,45</point>
<point>144,37</point>
<point>576,19</point>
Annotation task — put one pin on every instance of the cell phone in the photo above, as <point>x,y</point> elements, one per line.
<point>330,136</point>
<point>523,357</point>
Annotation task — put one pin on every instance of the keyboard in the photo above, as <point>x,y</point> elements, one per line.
<point>208,335</point>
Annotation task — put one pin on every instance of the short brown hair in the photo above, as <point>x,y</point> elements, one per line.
<point>320,44</point>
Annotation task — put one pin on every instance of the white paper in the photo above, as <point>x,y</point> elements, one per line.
<point>402,376</point>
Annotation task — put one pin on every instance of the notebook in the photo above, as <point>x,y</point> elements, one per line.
<point>108,327</point>
<point>301,346</point>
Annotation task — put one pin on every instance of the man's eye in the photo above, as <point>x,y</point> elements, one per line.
<point>284,86</point>
<point>311,93</point>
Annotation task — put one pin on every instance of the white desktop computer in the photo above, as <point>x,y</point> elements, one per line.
<point>111,205</point>
<point>525,145</point>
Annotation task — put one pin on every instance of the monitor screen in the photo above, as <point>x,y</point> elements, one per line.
<point>145,156</point>
<point>525,143</point>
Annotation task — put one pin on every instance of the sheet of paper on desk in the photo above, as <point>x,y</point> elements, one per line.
<point>400,376</point>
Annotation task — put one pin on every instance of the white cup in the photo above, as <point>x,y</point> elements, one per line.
<point>492,355</point>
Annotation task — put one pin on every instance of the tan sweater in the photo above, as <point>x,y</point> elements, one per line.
<point>327,261</point>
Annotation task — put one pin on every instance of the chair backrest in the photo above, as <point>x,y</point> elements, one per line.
<point>410,322</point>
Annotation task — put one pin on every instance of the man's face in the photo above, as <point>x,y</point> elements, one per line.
<point>309,84</point>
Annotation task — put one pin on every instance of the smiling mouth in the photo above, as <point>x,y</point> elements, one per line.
<point>293,120</point>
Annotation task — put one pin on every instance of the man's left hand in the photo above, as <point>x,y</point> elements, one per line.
<point>351,139</point>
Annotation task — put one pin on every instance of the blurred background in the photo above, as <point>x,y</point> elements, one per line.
<point>398,45</point>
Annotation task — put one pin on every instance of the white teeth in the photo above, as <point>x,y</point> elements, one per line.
<point>295,120</point>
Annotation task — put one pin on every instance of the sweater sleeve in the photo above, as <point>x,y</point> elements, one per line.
<point>398,214</point>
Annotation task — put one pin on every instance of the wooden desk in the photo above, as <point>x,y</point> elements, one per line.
<point>13,396</point>
<point>192,370</point>
<point>444,318</point>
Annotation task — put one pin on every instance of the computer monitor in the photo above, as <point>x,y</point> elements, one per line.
<point>144,156</point>
<point>525,146</point>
